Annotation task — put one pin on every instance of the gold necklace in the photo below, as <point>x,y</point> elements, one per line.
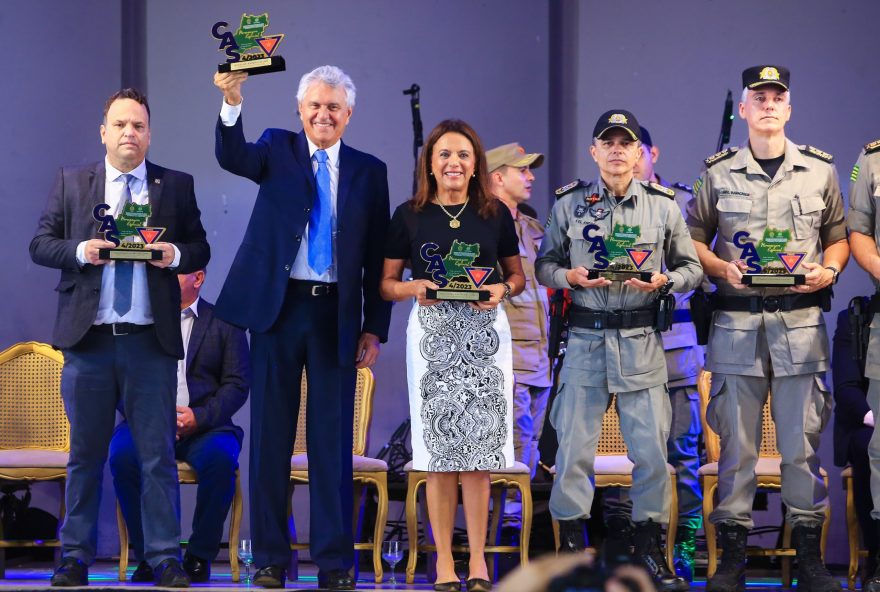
<point>453,222</point>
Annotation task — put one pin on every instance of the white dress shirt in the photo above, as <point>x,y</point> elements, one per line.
<point>187,320</point>
<point>229,115</point>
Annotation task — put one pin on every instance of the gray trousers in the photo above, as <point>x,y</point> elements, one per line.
<point>682,450</point>
<point>874,448</point>
<point>645,416</point>
<point>529,408</point>
<point>801,406</point>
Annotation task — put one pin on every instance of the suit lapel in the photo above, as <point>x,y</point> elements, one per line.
<point>154,189</point>
<point>96,181</point>
<point>346,172</point>
<point>197,336</point>
<point>301,154</point>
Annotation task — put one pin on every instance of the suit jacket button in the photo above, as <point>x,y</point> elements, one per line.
<point>96,290</point>
<point>307,210</point>
<point>298,238</point>
<point>287,268</point>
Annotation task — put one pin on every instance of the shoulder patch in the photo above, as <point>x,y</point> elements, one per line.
<point>568,188</point>
<point>661,189</point>
<point>872,147</point>
<point>719,156</point>
<point>813,151</point>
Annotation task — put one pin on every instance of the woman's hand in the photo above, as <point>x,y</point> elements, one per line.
<point>419,289</point>
<point>496,293</point>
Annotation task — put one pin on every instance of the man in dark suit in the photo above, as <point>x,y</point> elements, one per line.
<point>118,327</point>
<point>307,270</point>
<point>212,384</point>
<point>853,428</point>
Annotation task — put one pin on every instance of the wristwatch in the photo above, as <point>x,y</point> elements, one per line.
<point>507,290</point>
<point>836,273</point>
<point>667,287</point>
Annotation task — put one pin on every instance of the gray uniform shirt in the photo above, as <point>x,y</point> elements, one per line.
<point>863,218</point>
<point>621,360</point>
<point>800,207</point>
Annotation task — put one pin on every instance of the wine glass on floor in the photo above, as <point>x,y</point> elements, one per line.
<point>245,554</point>
<point>392,553</point>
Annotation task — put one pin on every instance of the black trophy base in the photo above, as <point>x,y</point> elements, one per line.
<point>458,295</point>
<point>618,276</point>
<point>254,67</point>
<point>773,280</point>
<point>129,255</point>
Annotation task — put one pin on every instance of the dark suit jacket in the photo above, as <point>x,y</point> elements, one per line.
<point>850,390</point>
<point>257,282</point>
<point>67,220</point>
<point>218,370</point>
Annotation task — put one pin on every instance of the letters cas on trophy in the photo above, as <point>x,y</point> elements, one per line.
<point>459,279</point>
<point>249,49</point>
<point>768,260</point>
<point>617,258</point>
<point>130,233</point>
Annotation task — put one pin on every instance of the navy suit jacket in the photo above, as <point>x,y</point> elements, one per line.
<point>850,390</point>
<point>67,220</point>
<point>218,371</point>
<point>255,288</point>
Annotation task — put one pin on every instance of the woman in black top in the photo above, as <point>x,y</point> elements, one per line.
<point>455,235</point>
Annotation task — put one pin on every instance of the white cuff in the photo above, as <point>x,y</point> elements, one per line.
<point>176,261</point>
<point>81,253</point>
<point>869,419</point>
<point>229,113</point>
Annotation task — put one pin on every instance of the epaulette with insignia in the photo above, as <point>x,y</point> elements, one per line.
<point>872,147</point>
<point>570,187</point>
<point>813,151</point>
<point>719,156</point>
<point>661,189</point>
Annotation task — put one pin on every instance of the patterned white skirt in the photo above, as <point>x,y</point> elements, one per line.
<point>460,373</point>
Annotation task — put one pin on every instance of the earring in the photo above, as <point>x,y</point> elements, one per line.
<point>430,174</point>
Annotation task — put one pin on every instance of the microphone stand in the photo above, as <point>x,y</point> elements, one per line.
<point>416,110</point>
<point>726,122</point>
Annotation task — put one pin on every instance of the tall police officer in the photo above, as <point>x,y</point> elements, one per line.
<point>774,207</point>
<point>864,228</point>
<point>616,223</point>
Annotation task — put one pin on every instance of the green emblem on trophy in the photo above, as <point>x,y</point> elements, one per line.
<point>769,263</point>
<point>249,49</point>
<point>129,231</point>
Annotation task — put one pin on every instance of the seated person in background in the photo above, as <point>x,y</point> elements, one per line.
<point>853,427</point>
<point>212,384</point>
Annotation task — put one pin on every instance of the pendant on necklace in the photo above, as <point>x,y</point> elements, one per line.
<point>454,223</point>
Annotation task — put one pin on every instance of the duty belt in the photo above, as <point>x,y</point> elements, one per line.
<point>756,304</point>
<point>612,319</point>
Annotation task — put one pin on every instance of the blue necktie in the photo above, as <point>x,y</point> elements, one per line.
<point>320,241</point>
<point>124,269</point>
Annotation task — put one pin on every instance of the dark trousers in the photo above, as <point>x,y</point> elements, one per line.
<point>99,372</point>
<point>857,455</point>
<point>213,455</point>
<point>305,335</point>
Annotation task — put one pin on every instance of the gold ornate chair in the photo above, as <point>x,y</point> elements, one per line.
<point>34,432</point>
<point>366,470</point>
<point>768,472</point>
<point>186,474</point>
<point>852,529</point>
<point>613,468</point>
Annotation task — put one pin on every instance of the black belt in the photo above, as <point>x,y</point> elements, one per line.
<point>310,288</point>
<point>681,315</point>
<point>612,319</point>
<point>121,328</point>
<point>756,304</point>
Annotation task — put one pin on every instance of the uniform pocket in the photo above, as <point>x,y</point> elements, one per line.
<point>820,412</point>
<point>734,339</point>
<point>717,401</point>
<point>806,335</point>
<point>733,215</point>
<point>641,351</point>
<point>807,215</point>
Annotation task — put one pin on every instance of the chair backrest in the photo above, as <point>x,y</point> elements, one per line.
<point>363,413</point>
<point>611,441</point>
<point>712,440</point>
<point>31,410</point>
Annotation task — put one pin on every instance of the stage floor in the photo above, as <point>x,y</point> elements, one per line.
<point>103,576</point>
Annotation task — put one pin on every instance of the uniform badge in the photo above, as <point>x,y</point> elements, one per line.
<point>697,184</point>
<point>872,147</point>
<point>599,213</point>
<point>580,210</point>
<point>618,118</point>
<point>855,173</point>
<point>769,73</point>
<point>594,198</point>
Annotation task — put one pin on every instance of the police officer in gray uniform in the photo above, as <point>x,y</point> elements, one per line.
<point>864,226</point>
<point>776,208</point>
<point>684,360</point>
<point>616,223</point>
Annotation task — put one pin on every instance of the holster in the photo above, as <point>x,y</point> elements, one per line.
<point>702,306</point>
<point>861,311</point>
<point>665,312</point>
<point>558,322</point>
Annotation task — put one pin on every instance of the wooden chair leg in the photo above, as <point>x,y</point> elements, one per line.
<point>357,523</point>
<point>412,529</point>
<point>852,532</point>
<point>123,543</point>
<point>555,534</point>
<point>235,512</point>
<point>381,522</point>
<point>672,527</point>
<point>525,533</point>
<point>293,567</point>
<point>710,485</point>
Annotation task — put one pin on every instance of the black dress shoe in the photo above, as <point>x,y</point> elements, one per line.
<point>336,579</point>
<point>143,573</point>
<point>478,585</point>
<point>170,574</point>
<point>198,569</point>
<point>270,576</point>
<point>71,572</point>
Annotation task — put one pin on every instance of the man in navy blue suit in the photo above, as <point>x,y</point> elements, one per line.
<point>305,282</point>
<point>212,384</point>
<point>118,326</point>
